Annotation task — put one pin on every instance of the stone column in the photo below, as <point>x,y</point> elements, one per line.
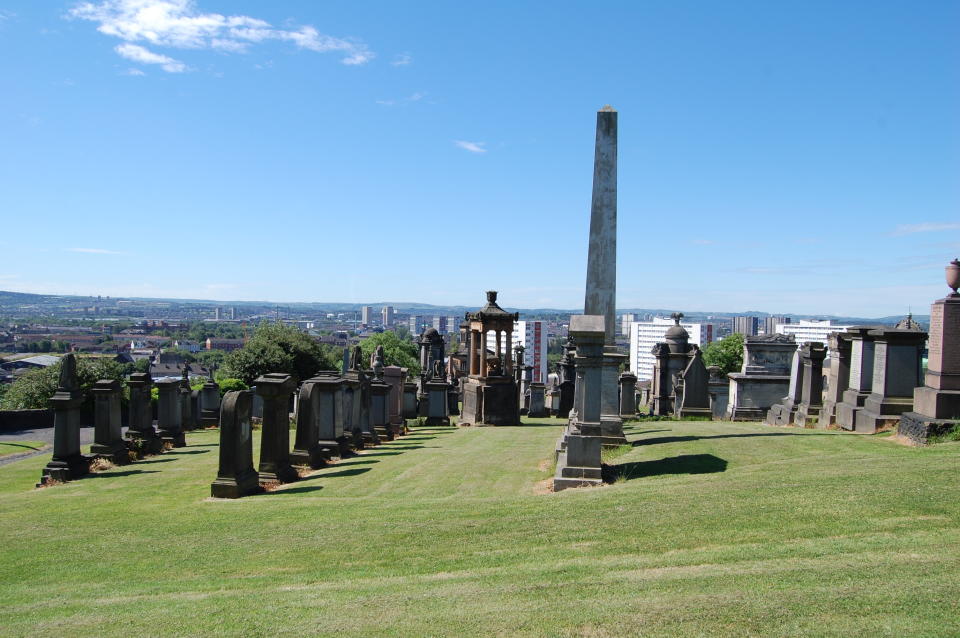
<point>108,434</point>
<point>474,352</point>
<point>306,446</point>
<point>329,415</point>
<point>628,389</point>
<point>812,355</point>
<point>67,462</point>
<point>210,404</point>
<point>169,413</point>
<point>236,476</point>
<point>508,348</point>
<point>140,423</point>
<point>275,389</point>
<point>861,376</point>
<point>380,409</point>
<point>897,373</point>
<point>483,353</point>
<point>838,378</point>
<point>188,420</point>
<point>783,413</point>
<point>538,401</point>
<point>394,377</point>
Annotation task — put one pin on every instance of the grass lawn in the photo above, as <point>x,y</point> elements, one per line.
<point>19,447</point>
<point>711,529</point>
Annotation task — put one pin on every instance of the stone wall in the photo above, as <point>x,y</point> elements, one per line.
<point>13,420</point>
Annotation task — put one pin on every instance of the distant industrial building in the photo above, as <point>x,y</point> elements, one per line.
<point>747,326</point>
<point>646,334</point>
<point>625,321</point>
<point>366,313</point>
<point>770,323</point>
<point>532,335</point>
<point>386,315</point>
<point>805,331</point>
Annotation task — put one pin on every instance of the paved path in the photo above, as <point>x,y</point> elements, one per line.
<point>40,434</point>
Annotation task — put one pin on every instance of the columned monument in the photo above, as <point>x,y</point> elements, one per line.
<point>489,392</point>
<point>601,292</point>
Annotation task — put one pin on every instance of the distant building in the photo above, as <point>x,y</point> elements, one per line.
<point>646,334</point>
<point>532,335</point>
<point>217,313</point>
<point>805,331</point>
<point>625,321</point>
<point>214,343</point>
<point>416,324</point>
<point>746,326</point>
<point>444,325</point>
<point>386,315</point>
<point>770,323</point>
<point>366,313</point>
<point>232,313</point>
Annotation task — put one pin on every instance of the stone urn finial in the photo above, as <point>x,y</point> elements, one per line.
<point>677,316</point>
<point>491,296</point>
<point>953,275</point>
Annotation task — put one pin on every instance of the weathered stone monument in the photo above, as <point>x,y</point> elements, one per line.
<point>628,394</point>
<point>719,388</point>
<point>860,377</point>
<point>379,398</point>
<point>566,368</point>
<point>538,401</point>
<point>236,476</point>
<point>409,400</point>
<point>808,411</point>
<point>692,388</point>
<point>782,413</point>
<point>490,392</point>
<point>140,414</point>
<point>764,378</point>
<point>395,377</point>
<point>838,377</point>
<point>601,289</point>
<point>169,413</point>
<point>680,384</point>
<point>275,389</point>
<point>936,405</point>
<point>188,420</point>
<point>107,423</point>
<point>578,450</point>
<point>897,371</point>
<point>67,462</point>
<point>306,444</point>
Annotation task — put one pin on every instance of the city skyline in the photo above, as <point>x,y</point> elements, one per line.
<point>790,160</point>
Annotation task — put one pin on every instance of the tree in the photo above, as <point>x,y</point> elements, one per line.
<point>33,390</point>
<point>396,351</point>
<point>727,354</point>
<point>276,347</point>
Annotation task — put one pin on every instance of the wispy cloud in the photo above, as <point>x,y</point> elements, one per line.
<point>96,251</point>
<point>7,15</point>
<point>924,227</point>
<point>401,59</point>
<point>473,147</point>
<point>702,242</point>
<point>134,72</point>
<point>415,97</point>
<point>179,24</point>
<point>139,54</point>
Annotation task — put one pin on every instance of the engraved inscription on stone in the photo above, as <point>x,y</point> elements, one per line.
<point>880,368</point>
<point>856,357</point>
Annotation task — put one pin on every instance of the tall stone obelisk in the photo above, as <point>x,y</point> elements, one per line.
<point>601,291</point>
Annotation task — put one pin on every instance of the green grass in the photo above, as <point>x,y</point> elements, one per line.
<point>8,448</point>
<point>712,529</point>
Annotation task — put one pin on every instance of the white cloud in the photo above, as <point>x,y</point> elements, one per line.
<point>180,24</point>
<point>924,227</point>
<point>139,54</point>
<point>401,59</point>
<point>473,147</point>
<point>134,72</point>
<point>702,242</point>
<point>96,251</point>
<point>414,97</point>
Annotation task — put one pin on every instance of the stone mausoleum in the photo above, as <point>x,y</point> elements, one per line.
<point>489,392</point>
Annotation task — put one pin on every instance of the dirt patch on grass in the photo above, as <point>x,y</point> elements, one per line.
<point>901,440</point>
<point>544,465</point>
<point>543,487</point>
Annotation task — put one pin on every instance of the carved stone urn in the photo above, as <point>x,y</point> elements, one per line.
<point>953,275</point>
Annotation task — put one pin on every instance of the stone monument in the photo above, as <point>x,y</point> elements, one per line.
<point>936,405</point>
<point>169,412</point>
<point>490,392</point>
<point>140,414</point>
<point>380,398</point>
<point>860,377</point>
<point>808,410</point>
<point>107,419</point>
<point>67,462</point>
<point>897,371</point>
<point>692,388</point>
<point>838,377</point>
<point>601,289</point>
<point>764,378</point>
<point>782,413</point>
<point>628,394</point>
<point>236,476</point>
<point>306,444</point>
<point>275,389</point>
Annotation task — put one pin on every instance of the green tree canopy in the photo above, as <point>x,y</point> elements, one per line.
<point>33,390</point>
<point>727,354</point>
<point>396,351</point>
<point>276,347</point>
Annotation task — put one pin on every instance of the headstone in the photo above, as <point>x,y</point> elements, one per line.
<point>275,389</point>
<point>897,372</point>
<point>187,419</point>
<point>782,413</point>
<point>140,414</point>
<point>578,450</point>
<point>210,404</point>
<point>764,378</point>
<point>538,401</point>
<point>107,423</point>
<point>67,462</point>
<point>409,400</point>
<point>394,376</point>
<point>694,400</point>
<point>838,377</point>
<point>236,476</point>
<point>568,380</point>
<point>811,395</point>
<point>438,406</point>
<point>719,388</point>
<point>380,409</point>
<point>334,441</point>
<point>628,391</point>
<point>936,405</point>
<point>860,379</point>
<point>306,445</point>
<point>169,413</point>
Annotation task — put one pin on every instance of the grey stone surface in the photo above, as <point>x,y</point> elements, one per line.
<point>67,462</point>
<point>808,411</point>
<point>628,394</point>
<point>275,390</point>
<point>108,429</point>
<point>306,444</point>
<point>169,413</point>
<point>140,413</point>
<point>860,377</point>
<point>764,378</point>
<point>692,391</point>
<point>538,401</point>
<point>897,373</point>
<point>838,377</point>
<point>939,398</point>
<point>236,476</point>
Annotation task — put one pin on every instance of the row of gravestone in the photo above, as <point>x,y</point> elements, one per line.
<point>178,409</point>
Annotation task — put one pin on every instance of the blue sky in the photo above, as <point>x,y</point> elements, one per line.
<point>788,157</point>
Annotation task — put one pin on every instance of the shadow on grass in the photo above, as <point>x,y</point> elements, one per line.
<point>178,451</point>
<point>350,472</point>
<point>401,447</point>
<point>154,459</point>
<point>683,464</point>
<point>632,431</point>
<point>380,453</point>
<point>294,490</point>
<point>111,474</point>
<point>367,462</point>
<point>25,447</point>
<point>681,439</point>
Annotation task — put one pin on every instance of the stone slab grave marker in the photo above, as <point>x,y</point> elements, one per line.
<point>782,413</point>
<point>188,418</point>
<point>306,446</point>
<point>860,378</point>
<point>67,462</point>
<point>236,476</point>
<point>693,392</point>
<point>169,412</point>
<point>628,394</point>
<point>538,401</point>
<point>936,405</point>
<point>897,372</point>
<point>764,378</point>
<point>334,440</point>
<point>838,377</point>
<point>140,412</point>
<point>808,410</point>
<point>275,390</point>
<point>107,422</point>
<point>210,403</point>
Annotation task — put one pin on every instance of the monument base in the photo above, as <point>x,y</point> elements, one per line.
<point>243,485</point>
<point>807,416</point>
<point>343,446</point>
<point>175,439</point>
<point>752,395</point>
<point>828,414</point>
<point>918,428</point>
<point>881,413</point>
<point>578,462</point>
<point>780,414</point>
<point>490,401</point>
<point>705,413</point>
<point>66,469</point>
<point>115,452</point>
<point>144,442</point>
<point>312,458</point>
<point>282,474</point>
<point>942,404</point>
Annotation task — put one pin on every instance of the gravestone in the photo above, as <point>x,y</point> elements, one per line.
<point>210,404</point>
<point>275,390</point>
<point>719,388</point>
<point>764,378</point>
<point>140,414</point>
<point>438,406</point>
<point>380,409</point>
<point>693,399</point>
<point>812,355</point>
<point>409,400</point>
<point>860,379</point>
<point>578,450</point>
<point>936,405</point>
<point>236,476</point>
<point>361,399</point>
<point>67,462</point>
<point>394,376</point>
<point>782,413</point>
<point>306,445</point>
<point>838,377</point>
<point>538,401</point>
<point>628,394</point>
<point>334,441</point>
<point>568,379</point>
<point>897,372</point>
<point>187,419</point>
<point>107,419</point>
<point>350,411</point>
<point>169,413</point>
